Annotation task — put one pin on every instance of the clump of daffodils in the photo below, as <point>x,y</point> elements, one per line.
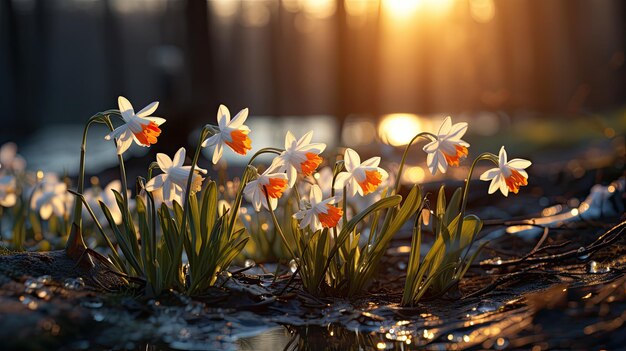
<point>338,214</point>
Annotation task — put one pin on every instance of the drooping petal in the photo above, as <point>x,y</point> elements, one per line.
<point>212,140</point>
<point>148,110</point>
<point>239,119</point>
<point>490,174</point>
<point>156,182</point>
<point>217,154</point>
<point>431,147</point>
<point>116,132</point>
<point>495,184</point>
<point>292,175</point>
<point>124,141</point>
<point>341,180</point>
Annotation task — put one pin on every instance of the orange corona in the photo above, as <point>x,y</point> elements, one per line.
<point>515,180</point>
<point>240,143</point>
<point>371,182</point>
<point>275,187</point>
<point>149,133</point>
<point>453,160</point>
<point>331,217</point>
<point>312,161</point>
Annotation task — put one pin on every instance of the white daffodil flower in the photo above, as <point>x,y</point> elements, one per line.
<point>50,197</point>
<point>94,195</point>
<point>299,157</point>
<point>140,127</point>
<point>8,189</point>
<point>10,159</point>
<point>318,213</point>
<point>508,176</point>
<point>448,149</point>
<point>231,132</point>
<point>362,178</point>
<point>275,183</point>
<point>173,181</point>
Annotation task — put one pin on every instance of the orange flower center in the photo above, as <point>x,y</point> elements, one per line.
<point>515,180</point>
<point>240,143</point>
<point>453,160</point>
<point>331,217</point>
<point>149,133</point>
<point>275,187</point>
<point>371,182</point>
<point>311,163</point>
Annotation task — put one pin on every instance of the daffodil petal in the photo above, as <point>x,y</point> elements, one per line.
<point>157,120</point>
<point>352,160</point>
<point>179,157</point>
<point>490,174</point>
<point>239,119</point>
<point>519,163</point>
<point>223,117</point>
<point>217,153</point>
<point>306,139</point>
<point>148,110</point>
<point>372,162</point>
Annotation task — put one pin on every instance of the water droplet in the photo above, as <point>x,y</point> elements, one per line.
<point>44,293</point>
<point>581,254</point>
<point>293,265</point>
<point>30,303</point>
<point>501,343</point>
<point>44,279</point>
<point>596,268</point>
<point>494,261</point>
<point>93,304</point>
<point>31,285</point>
<point>98,317</point>
<point>249,263</point>
<point>74,284</point>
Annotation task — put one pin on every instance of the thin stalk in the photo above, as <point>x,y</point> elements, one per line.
<point>120,159</point>
<point>204,133</point>
<point>277,225</point>
<point>484,156</point>
<point>425,135</point>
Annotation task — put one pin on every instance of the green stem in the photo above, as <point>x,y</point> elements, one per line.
<point>244,181</point>
<point>484,156</point>
<point>204,133</point>
<point>75,237</point>
<point>277,225</point>
<point>424,135</point>
<point>120,159</point>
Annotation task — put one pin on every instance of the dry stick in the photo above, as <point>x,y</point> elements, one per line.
<point>501,280</point>
<point>611,236</point>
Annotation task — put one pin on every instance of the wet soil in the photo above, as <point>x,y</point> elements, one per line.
<point>561,288</point>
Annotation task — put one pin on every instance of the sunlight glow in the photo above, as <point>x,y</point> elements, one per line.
<point>404,9</point>
<point>319,8</point>
<point>398,129</point>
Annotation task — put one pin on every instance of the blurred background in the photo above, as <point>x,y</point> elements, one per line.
<point>367,74</point>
